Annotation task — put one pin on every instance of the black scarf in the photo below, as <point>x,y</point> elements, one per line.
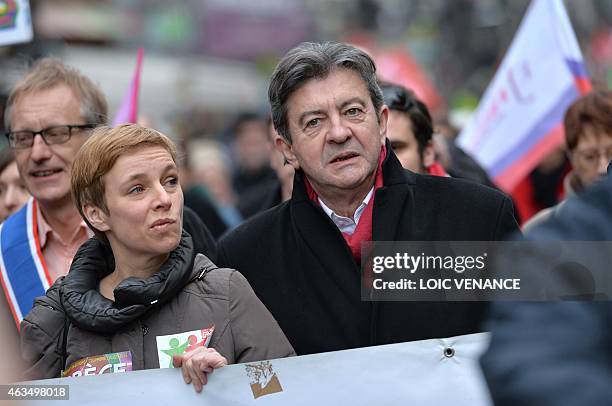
<point>89,310</point>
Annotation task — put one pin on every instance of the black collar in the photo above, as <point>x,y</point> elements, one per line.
<point>89,310</point>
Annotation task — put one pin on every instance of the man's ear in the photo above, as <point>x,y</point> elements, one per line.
<point>429,154</point>
<point>96,217</point>
<point>382,123</point>
<point>285,148</point>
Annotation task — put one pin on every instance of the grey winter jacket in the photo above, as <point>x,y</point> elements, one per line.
<point>73,320</point>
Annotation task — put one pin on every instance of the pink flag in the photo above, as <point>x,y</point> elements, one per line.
<point>128,112</point>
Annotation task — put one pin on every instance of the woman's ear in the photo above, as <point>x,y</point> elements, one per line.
<point>96,217</point>
<point>284,147</point>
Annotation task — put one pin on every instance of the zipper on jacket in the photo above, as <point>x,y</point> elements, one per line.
<point>203,272</point>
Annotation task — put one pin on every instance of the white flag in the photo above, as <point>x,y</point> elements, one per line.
<point>520,117</point>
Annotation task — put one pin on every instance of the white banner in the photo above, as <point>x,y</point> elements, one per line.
<point>430,372</point>
<point>15,22</point>
<point>519,117</point>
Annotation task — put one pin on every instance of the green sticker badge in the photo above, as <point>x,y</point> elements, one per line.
<point>180,343</point>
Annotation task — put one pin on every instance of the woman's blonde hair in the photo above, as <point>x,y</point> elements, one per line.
<point>98,156</point>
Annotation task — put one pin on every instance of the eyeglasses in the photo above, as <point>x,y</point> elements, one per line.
<point>397,99</point>
<point>591,157</point>
<point>52,135</point>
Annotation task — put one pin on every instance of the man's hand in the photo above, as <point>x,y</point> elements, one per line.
<point>197,363</point>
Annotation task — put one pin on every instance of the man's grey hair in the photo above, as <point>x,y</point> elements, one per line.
<point>311,60</point>
<point>48,73</point>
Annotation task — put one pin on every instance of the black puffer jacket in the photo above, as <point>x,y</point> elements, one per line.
<point>73,320</point>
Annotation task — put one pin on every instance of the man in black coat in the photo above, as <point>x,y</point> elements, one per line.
<point>302,257</point>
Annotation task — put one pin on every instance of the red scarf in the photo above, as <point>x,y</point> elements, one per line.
<point>363,231</point>
<point>436,169</point>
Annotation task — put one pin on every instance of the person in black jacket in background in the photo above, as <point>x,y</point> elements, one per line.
<point>276,191</point>
<point>302,257</point>
<point>556,353</point>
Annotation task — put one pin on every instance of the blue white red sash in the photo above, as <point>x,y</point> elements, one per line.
<point>24,274</point>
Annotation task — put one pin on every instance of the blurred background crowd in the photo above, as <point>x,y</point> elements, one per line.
<point>207,64</point>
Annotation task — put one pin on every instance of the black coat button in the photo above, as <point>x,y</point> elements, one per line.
<point>449,352</point>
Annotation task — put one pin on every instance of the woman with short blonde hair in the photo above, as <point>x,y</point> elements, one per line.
<point>138,290</point>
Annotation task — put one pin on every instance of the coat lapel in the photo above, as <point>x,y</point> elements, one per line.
<point>393,217</point>
<point>318,230</point>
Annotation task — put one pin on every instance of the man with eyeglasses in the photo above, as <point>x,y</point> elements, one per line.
<point>48,115</point>
<point>588,139</point>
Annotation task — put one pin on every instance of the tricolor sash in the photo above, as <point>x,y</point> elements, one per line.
<point>24,274</point>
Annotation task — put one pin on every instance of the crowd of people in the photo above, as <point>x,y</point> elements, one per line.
<point>111,240</point>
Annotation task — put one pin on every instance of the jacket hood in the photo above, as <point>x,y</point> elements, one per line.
<point>89,310</point>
